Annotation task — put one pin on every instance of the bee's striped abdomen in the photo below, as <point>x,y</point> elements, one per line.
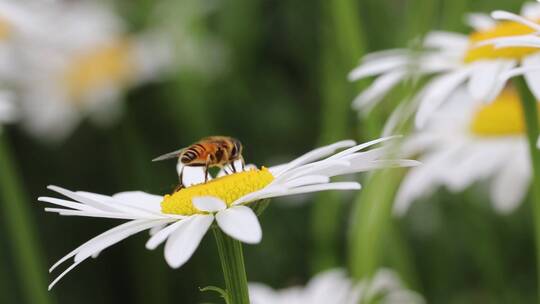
<point>192,153</point>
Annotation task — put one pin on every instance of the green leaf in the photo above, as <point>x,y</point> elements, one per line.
<point>222,292</point>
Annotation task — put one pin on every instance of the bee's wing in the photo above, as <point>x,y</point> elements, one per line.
<point>170,155</point>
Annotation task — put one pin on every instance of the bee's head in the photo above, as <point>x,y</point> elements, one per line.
<point>236,150</point>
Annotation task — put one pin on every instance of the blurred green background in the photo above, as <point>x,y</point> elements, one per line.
<point>282,90</point>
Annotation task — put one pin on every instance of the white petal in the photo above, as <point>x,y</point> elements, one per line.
<point>262,294</point>
<point>362,146</point>
<point>102,214</point>
<point>375,67</point>
<point>257,195</point>
<point>97,244</point>
<point>67,204</point>
<point>502,15</point>
<point>314,188</point>
<point>530,10</point>
<point>388,53</point>
<point>162,234</point>
<point>484,77</point>
<point>331,286</point>
<point>436,93</point>
<point>477,161</point>
<point>422,180</point>
<point>138,197</point>
<point>208,203</point>
<point>307,180</point>
<point>57,279</point>
<point>446,40</point>
<point>81,198</point>
<point>380,87</point>
<point>312,156</point>
<point>510,186</point>
<point>480,22</point>
<point>191,175</point>
<point>528,40</point>
<point>315,168</point>
<point>184,241</point>
<point>139,200</point>
<point>241,223</point>
<point>533,77</point>
<point>114,236</point>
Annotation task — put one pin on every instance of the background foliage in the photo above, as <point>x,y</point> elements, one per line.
<point>273,94</point>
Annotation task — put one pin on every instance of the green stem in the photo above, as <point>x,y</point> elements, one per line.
<point>232,264</point>
<point>371,217</point>
<point>341,44</point>
<point>528,102</point>
<point>21,230</point>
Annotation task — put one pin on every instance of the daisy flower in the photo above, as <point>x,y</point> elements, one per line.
<point>334,287</point>
<point>182,219</point>
<point>454,61</point>
<point>467,142</point>
<point>76,59</point>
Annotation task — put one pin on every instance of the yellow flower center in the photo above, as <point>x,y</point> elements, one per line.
<point>503,29</point>
<point>110,65</point>
<point>502,117</point>
<point>228,188</point>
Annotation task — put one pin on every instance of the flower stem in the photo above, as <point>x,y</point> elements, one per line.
<point>232,264</point>
<point>21,233</point>
<point>528,102</point>
<point>371,217</point>
<point>341,44</point>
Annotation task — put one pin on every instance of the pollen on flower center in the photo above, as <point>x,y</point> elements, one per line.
<point>228,188</point>
<point>109,65</point>
<point>502,117</point>
<point>503,29</point>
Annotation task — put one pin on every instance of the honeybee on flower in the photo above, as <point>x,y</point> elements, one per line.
<point>180,220</point>
<point>212,151</point>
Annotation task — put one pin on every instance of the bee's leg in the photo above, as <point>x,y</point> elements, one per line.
<point>181,180</point>
<point>206,166</point>
<point>178,188</point>
<point>233,167</point>
<point>243,163</point>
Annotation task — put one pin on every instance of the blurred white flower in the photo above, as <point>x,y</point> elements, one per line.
<point>455,61</point>
<point>8,111</point>
<point>466,142</point>
<point>183,218</point>
<point>75,59</point>
<point>333,287</point>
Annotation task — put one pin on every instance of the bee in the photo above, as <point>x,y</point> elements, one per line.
<point>213,151</point>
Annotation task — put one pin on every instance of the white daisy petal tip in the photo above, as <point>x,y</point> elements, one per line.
<point>183,242</point>
<point>54,188</point>
<point>504,15</point>
<point>208,203</point>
